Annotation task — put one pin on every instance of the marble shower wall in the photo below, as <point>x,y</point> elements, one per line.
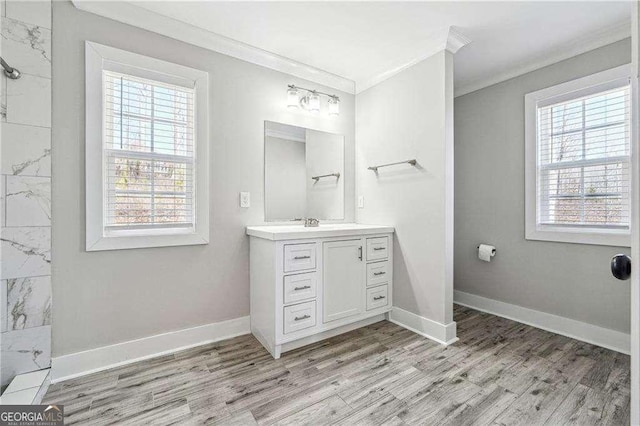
<point>25,189</point>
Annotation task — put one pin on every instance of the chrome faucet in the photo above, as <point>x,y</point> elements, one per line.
<point>311,222</point>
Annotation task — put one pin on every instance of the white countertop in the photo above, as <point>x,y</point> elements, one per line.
<point>296,232</point>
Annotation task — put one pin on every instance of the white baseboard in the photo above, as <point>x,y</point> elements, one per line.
<point>442,333</point>
<point>82,363</point>
<point>599,336</point>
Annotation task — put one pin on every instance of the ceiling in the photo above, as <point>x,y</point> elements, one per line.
<point>367,41</point>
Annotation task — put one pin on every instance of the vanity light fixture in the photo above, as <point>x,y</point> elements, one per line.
<point>313,101</point>
<point>310,100</point>
<point>293,102</point>
<point>334,105</point>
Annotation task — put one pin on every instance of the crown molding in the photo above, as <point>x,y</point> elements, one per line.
<point>456,40</point>
<point>448,39</point>
<point>128,13</point>
<point>602,38</point>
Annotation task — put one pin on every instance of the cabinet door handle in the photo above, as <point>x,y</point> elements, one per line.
<point>360,252</point>
<point>302,317</point>
<point>378,248</point>
<point>379,297</point>
<point>304,287</point>
<point>379,273</point>
<point>301,257</point>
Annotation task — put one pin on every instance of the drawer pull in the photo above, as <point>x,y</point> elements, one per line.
<point>379,298</point>
<point>379,248</point>
<point>302,318</point>
<point>379,273</point>
<point>304,287</point>
<point>302,257</point>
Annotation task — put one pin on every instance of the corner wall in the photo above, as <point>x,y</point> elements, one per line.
<point>408,116</point>
<point>568,280</point>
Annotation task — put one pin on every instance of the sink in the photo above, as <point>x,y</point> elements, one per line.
<point>292,232</point>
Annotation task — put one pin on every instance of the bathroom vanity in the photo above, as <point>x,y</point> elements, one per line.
<point>308,284</point>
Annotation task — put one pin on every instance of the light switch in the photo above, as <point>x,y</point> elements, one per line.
<point>245,199</point>
<point>361,202</point>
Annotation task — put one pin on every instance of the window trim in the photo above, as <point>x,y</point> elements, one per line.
<point>572,89</point>
<point>97,58</point>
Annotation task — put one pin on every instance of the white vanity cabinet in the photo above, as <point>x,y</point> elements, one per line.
<point>343,279</point>
<point>308,284</point>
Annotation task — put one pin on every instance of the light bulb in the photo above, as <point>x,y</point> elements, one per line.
<point>314,102</point>
<point>334,105</point>
<point>292,97</point>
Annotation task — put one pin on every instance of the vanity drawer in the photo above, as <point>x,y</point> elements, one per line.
<point>377,248</point>
<point>300,316</point>
<point>377,297</point>
<point>378,273</point>
<point>299,257</point>
<point>300,287</point>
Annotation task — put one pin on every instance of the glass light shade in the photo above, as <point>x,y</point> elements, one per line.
<point>314,102</point>
<point>334,106</point>
<point>292,98</point>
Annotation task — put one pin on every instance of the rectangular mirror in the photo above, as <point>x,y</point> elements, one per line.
<point>303,173</point>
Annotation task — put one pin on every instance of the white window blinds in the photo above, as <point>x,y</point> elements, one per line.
<point>149,160</point>
<point>583,161</point>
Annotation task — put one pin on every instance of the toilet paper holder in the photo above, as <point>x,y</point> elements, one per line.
<point>486,252</point>
<point>478,248</point>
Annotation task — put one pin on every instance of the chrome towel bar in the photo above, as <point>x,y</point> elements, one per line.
<point>317,178</point>
<point>412,162</point>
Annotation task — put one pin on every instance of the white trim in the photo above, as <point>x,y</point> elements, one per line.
<point>78,364</point>
<point>584,44</point>
<point>612,238</point>
<point>280,134</point>
<point>599,336</point>
<point>456,40</point>
<point>534,231</point>
<point>450,40</point>
<point>97,58</point>
<point>634,283</point>
<point>444,334</point>
<point>170,27</point>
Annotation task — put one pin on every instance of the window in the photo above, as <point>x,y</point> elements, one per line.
<point>579,160</point>
<point>147,151</point>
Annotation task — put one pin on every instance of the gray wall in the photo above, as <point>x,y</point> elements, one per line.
<point>570,280</point>
<point>409,116</point>
<point>107,297</point>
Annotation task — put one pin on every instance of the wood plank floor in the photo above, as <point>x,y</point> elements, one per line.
<point>499,373</point>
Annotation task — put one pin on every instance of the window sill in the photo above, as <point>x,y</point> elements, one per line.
<point>615,238</point>
<point>117,233</point>
<point>122,240</point>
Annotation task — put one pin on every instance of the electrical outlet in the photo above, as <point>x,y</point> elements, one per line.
<point>361,202</point>
<point>245,199</point>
